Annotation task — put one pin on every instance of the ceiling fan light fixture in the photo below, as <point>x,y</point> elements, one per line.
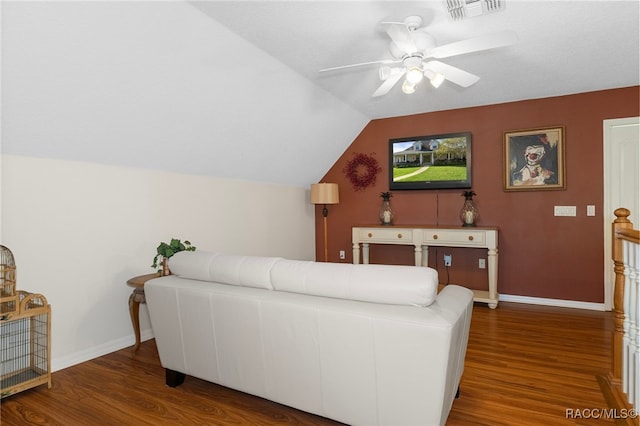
<point>436,79</point>
<point>408,88</point>
<point>414,75</point>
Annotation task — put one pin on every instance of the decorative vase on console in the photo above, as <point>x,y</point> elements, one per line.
<point>386,213</point>
<point>469,212</point>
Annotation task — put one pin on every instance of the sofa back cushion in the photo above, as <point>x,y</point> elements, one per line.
<point>192,265</point>
<point>391,284</point>
<point>398,285</point>
<point>246,271</point>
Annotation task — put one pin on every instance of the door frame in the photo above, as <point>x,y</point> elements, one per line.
<point>610,195</point>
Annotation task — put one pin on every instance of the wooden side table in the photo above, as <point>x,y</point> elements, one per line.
<point>136,298</point>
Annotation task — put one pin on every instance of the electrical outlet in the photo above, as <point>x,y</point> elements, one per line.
<point>342,254</point>
<point>447,260</point>
<point>482,263</point>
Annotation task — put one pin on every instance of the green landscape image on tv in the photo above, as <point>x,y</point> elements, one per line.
<point>430,162</point>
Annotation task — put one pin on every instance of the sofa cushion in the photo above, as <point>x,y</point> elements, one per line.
<point>247,271</point>
<point>392,284</point>
<point>191,264</point>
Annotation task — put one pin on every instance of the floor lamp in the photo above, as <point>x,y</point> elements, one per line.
<point>325,193</point>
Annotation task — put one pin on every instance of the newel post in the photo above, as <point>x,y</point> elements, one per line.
<point>621,222</point>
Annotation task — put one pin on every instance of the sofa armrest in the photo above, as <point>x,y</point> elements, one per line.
<point>456,302</point>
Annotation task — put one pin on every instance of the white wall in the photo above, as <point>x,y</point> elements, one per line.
<point>128,123</point>
<point>79,230</point>
<point>159,85</point>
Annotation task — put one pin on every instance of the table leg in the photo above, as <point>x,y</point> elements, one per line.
<point>134,312</point>
<point>365,253</point>
<point>417,255</point>
<point>356,253</point>
<point>425,255</point>
<point>492,261</point>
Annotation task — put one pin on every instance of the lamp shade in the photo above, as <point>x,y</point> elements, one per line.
<point>324,193</point>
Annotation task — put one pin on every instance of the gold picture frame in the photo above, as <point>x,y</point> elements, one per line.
<point>534,159</point>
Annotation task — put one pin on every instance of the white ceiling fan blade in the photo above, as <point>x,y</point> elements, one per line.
<point>388,84</point>
<point>362,64</point>
<point>485,42</point>
<point>453,74</point>
<point>400,35</point>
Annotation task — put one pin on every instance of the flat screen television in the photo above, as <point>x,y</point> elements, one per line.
<point>430,162</point>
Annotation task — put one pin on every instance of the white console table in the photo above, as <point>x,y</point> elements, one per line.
<point>421,237</point>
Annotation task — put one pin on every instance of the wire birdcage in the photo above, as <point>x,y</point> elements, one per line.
<point>8,298</point>
<point>7,272</point>
<point>25,345</point>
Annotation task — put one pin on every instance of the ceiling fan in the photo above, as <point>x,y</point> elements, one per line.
<point>413,47</point>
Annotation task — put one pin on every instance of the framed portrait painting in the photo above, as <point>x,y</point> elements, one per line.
<point>534,159</point>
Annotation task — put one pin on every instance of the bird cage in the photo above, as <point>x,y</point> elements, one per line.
<point>25,333</point>
<point>25,345</point>
<point>8,299</point>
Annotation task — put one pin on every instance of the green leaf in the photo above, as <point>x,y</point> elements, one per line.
<point>165,250</point>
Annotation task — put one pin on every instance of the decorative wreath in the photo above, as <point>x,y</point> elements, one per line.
<point>361,171</point>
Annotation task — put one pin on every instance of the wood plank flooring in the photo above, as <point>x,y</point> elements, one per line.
<point>525,365</point>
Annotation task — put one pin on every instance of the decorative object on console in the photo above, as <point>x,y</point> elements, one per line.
<point>386,213</point>
<point>361,171</point>
<point>469,212</point>
<point>430,162</point>
<point>165,251</point>
<point>534,159</point>
<point>325,193</point>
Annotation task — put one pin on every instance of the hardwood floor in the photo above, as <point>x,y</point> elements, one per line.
<point>525,365</point>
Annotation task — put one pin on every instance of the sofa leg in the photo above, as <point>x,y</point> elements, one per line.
<point>458,393</point>
<point>173,378</point>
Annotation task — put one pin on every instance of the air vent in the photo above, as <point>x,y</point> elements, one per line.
<point>463,9</point>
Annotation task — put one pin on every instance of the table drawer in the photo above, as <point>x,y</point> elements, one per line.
<point>457,237</point>
<point>395,235</point>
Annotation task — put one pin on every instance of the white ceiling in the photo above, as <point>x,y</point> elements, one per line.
<point>564,47</point>
<point>162,85</point>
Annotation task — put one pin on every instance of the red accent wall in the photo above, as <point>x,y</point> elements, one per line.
<point>539,255</point>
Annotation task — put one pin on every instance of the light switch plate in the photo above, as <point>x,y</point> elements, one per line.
<point>591,210</point>
<point>564,210</point>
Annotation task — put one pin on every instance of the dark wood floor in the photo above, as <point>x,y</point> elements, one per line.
<point>525,365</point>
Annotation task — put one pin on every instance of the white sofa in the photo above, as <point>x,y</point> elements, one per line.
<point>360,344</point>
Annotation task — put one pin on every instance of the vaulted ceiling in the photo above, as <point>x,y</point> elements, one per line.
<point>564,47</point>
<point>231,88</point>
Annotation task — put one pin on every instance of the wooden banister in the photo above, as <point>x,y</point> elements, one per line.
<point>611,384</point>
<point>620,224</point>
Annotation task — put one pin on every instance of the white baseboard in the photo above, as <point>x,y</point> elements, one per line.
<point>552,302</point>
<point>97,351</point>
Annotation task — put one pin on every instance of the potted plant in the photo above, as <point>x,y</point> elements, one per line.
<point>165,251</point>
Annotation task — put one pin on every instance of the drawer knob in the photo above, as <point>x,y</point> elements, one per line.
<point>370,235</point>
<point>399,235</point>
<point>435,236</point>
<point>470,237</point>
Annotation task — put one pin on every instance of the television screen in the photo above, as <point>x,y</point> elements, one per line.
<point>430,162</point>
